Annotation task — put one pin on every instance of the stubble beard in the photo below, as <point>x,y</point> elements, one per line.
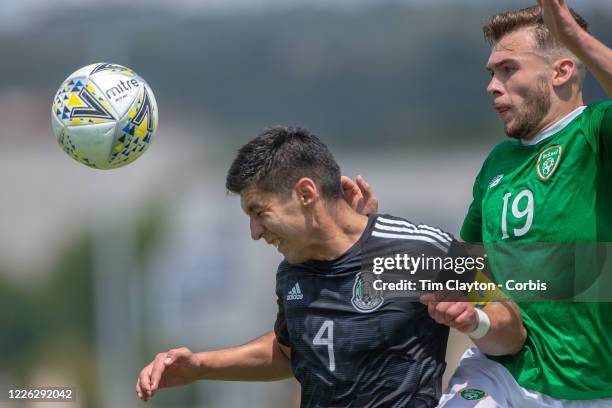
<point>537,105</point>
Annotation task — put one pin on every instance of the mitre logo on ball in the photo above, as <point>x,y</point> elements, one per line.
<point>104,115</point>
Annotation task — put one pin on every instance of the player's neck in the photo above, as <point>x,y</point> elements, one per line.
<point>555,114</point>
<point>338,227</point>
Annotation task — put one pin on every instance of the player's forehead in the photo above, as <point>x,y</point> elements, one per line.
<point>253,198</point>
<point>518,45</point>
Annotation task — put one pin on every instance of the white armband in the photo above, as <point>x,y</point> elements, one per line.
<point>484,324</point>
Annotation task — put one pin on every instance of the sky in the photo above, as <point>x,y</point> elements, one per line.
<point>19,14</point>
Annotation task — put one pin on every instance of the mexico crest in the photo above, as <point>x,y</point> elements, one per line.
<point>548,161</point>
<point>365,298</point>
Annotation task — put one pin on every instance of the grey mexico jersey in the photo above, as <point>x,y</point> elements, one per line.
<point>353,345</point>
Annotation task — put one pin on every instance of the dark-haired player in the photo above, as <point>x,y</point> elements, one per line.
<point>348,343</point>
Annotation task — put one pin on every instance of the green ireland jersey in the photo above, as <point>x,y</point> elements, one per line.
<point>556,189</point>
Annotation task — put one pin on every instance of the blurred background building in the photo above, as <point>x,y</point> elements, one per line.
<point>100,270</point>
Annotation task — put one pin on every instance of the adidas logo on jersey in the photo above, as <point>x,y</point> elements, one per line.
<point>295,293</point>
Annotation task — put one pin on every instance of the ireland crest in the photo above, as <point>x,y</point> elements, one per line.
<point>365,298</point>
<point>472,394</point>
<point>548,162</point>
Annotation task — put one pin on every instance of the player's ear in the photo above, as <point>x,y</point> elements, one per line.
<point>306,191</point>
<point>564,70</point>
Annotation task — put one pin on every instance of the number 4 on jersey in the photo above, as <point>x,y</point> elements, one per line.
<point>319,340</point>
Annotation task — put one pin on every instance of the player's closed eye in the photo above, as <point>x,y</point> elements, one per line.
<point>508,70</point>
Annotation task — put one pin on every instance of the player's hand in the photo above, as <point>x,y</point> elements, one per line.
<point>359,195</point>
<point>558,19</point>
<point>170,369</point>
<point>458,315</point>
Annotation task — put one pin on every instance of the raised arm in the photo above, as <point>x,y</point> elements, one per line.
<point>262,359</point>
<point>595,55</point>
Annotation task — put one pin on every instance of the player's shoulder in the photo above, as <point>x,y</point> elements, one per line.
<point>594,111</point>
<point>592,118</point>
<point>598,106</point>
<point>285,267</point>
<point>502,149</point>
<point>287,270</point>
<point>393,223</point>
<point>390,227</point>
<point>498,160</point>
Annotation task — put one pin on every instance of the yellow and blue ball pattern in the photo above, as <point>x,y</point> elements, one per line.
<point>136,130</point>
<point>104,115</point>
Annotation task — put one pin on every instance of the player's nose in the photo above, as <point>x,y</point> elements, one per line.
<point>495,87</point>
<point>257,230</point>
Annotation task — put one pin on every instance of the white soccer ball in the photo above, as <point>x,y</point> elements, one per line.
<point>104,116</point>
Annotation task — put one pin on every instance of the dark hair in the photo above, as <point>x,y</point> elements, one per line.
<point>504,23</point>
<point>278,157</point>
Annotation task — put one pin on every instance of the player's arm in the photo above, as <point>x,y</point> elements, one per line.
<point>262,359</point>
<point>595,55</point>
<point>505,334</point>
<point>496,329</point>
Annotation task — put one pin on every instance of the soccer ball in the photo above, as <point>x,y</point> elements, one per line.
<point>104,116</point>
